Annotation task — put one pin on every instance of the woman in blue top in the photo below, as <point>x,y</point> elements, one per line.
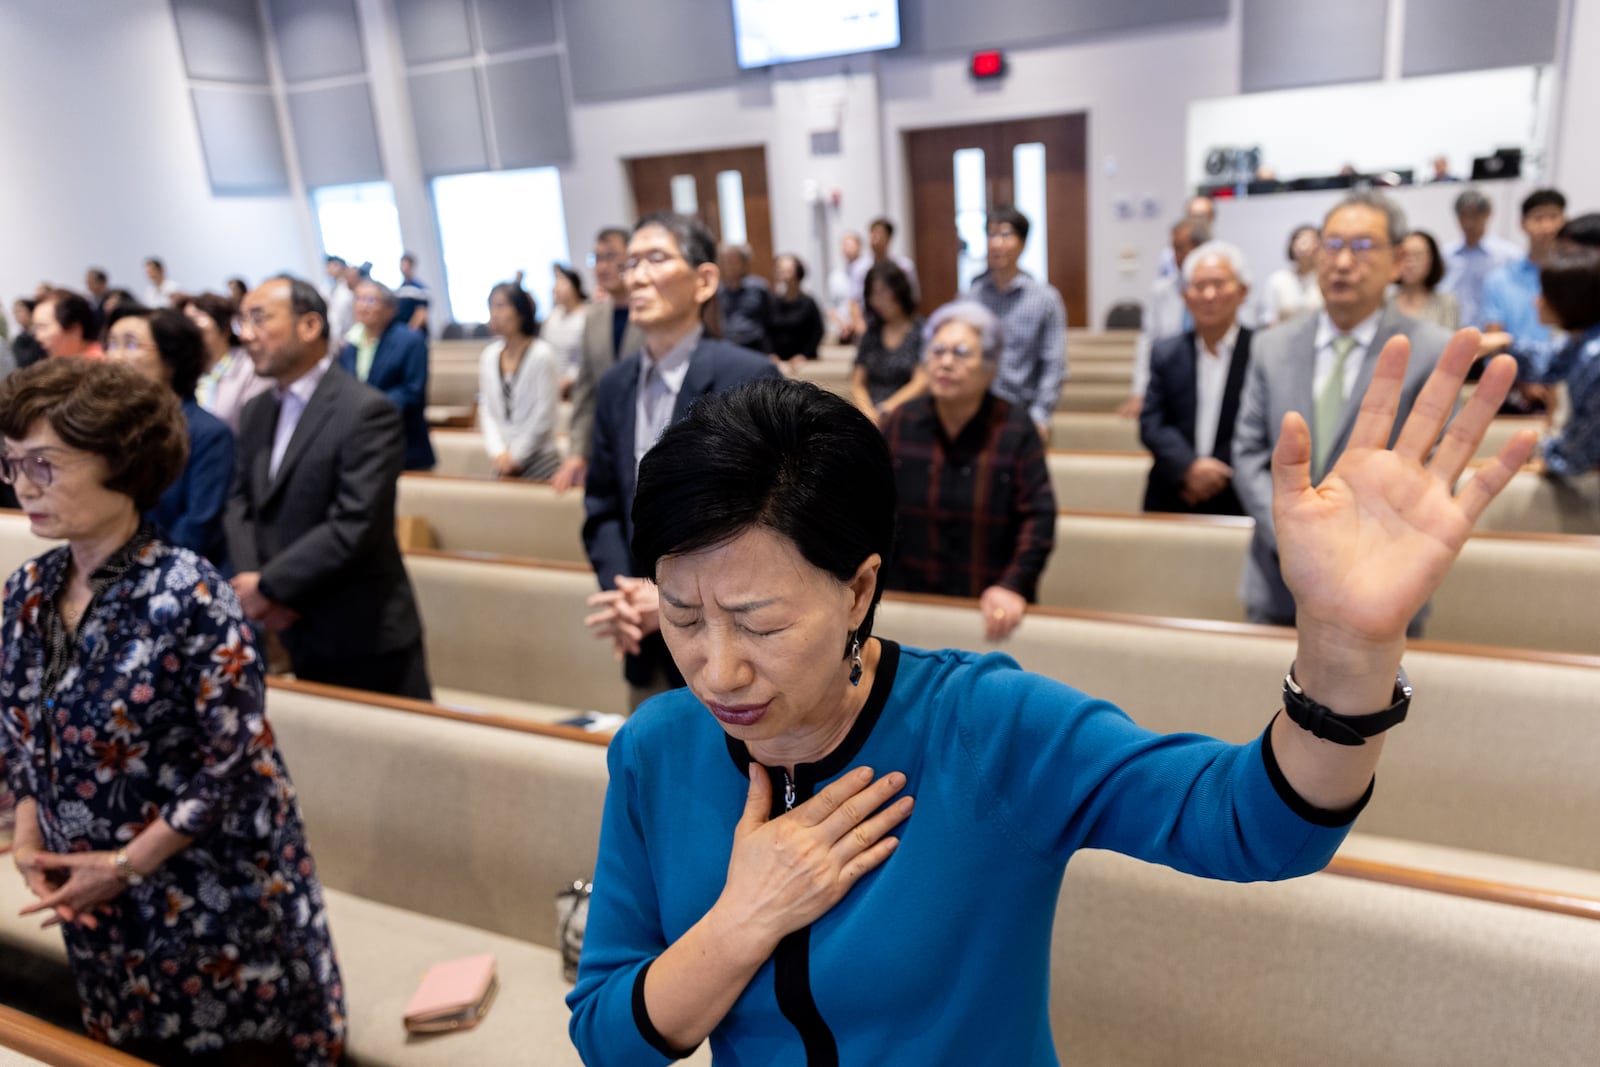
<point>763,879</point>
<point>166,347</point>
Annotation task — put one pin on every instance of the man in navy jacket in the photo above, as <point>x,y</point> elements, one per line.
<point>393,359</point>
<point>671,274</point>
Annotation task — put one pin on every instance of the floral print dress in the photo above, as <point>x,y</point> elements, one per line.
<point>154,709</point>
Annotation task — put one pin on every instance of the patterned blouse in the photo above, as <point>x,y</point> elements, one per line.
<point>152,709</point>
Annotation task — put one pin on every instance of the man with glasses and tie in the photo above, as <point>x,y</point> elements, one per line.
<point>1319,366</point>
<point>671,276</point>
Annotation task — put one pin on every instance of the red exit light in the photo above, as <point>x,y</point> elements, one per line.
<point>990,64</point>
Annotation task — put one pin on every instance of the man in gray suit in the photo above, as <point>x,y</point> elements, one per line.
<point>609,335</point>
<point>311,522</point>
<point>1320,366</point>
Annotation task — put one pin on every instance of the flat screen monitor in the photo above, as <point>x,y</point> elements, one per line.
<point>786,31</point>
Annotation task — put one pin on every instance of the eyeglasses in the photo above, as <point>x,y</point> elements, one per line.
<point>40,470</point>
<point>650,263</point>
<point>1360,247</point>
<point>1211,287</point>
<point>127,344</point>
<point>937,351</point>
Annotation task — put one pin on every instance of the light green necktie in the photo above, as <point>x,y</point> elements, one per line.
<point>1330,404</point>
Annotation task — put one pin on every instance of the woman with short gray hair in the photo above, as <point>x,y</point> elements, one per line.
<point>976,511</point>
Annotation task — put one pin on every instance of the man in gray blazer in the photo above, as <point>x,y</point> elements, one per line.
<point>311,521</point>
<point>1320,366</point>
<point>609,335</point>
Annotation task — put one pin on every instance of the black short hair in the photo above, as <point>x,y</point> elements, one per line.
<point>889,273</point>
<point>1570,284</point>
<point>73,309</point>
<point>609,233</point>
<point>305,300</point>
<point>1435,262</point>
<point>888,227</point>
<point>1543,198</point>
<point>220,310</point>
<point>799,265</point>
<point>178,343</point>
<point>97,274</point>
<point>573,277</point>
<point>335,259</point>
<point>694,241</point>
<point>1007,215</point>
<point>1583,230</point>
<point>155,261</point>
<point>522,304</point>
<point>1288,250</point>
<point>782,454</point>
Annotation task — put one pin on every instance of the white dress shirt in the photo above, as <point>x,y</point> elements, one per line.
<point>1364,332</point>
<point>660,381</point>
<point>291,405</point>
<point>1210,382</point>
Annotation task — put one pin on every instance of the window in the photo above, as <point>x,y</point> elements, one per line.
<point>493,225</point>
<point>359,224</point>
<point>1028,178</point>
<point>972,216</point>
<point>730,206</point>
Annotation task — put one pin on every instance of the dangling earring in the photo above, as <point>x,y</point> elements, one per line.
<point>855,660</point>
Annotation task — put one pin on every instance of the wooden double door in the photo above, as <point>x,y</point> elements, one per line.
<point>959,172</point>
<point>727,188</point>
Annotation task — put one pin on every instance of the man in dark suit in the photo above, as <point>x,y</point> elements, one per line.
<point>1192,397</point>
<point>1320,366</point>
<point>609,334</point>
<point>392,358</point>
<point>671,274</point>
<point>311,522</point>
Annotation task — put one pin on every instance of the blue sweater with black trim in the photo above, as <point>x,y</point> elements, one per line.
<point>942,954</point>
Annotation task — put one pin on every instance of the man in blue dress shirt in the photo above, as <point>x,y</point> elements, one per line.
<point>1470,261</point>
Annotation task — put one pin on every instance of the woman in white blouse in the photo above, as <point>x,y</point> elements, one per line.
<point>519,385</point>
<point>1293,290</point>
<point>563,326</point>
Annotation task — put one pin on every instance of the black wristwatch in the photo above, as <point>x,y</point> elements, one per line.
<point>1344,729</point>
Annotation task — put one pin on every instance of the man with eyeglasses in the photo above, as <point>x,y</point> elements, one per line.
<point>608,335</point>
<point>671,276</point>
<point>1320,366</point>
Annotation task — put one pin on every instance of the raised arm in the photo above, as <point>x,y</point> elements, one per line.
<point>1366,548</point>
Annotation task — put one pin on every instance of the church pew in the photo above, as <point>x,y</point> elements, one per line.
<point>1523,591</point>
<point>1502,963</point>
<point>26,1041</point>
<point>1497,757</point>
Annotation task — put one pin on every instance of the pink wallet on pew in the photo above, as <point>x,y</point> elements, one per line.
<point>454,995</point>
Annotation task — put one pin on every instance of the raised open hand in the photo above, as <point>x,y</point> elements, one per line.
<point>1365,549</point>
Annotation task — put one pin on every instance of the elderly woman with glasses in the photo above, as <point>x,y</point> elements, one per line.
<point>977,516</point>
<point>156,822</point>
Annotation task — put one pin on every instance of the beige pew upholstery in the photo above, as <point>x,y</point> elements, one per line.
<point>1090,431</point>
<point>504,517</point>
<point>513,630</point>
<point>460,454</point>
<point>1532,503</point>
<point>1099,481</point>
<point>452,384</point>
<point>1498,754</point>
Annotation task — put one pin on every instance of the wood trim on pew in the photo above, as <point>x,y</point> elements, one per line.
<point>437,711</point>
<point>51,1044</point>
<point>1456,885</point>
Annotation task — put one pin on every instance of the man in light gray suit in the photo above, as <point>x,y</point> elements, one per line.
<point>1320,366</point>
<point>609,335</point>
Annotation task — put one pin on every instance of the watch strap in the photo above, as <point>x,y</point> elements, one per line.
<point>1329,725</point>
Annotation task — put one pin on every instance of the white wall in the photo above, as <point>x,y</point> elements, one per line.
<point>1577,168</point>
<point>102,159</point>
<point>1136,91</point>
<point>1460,116</point>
